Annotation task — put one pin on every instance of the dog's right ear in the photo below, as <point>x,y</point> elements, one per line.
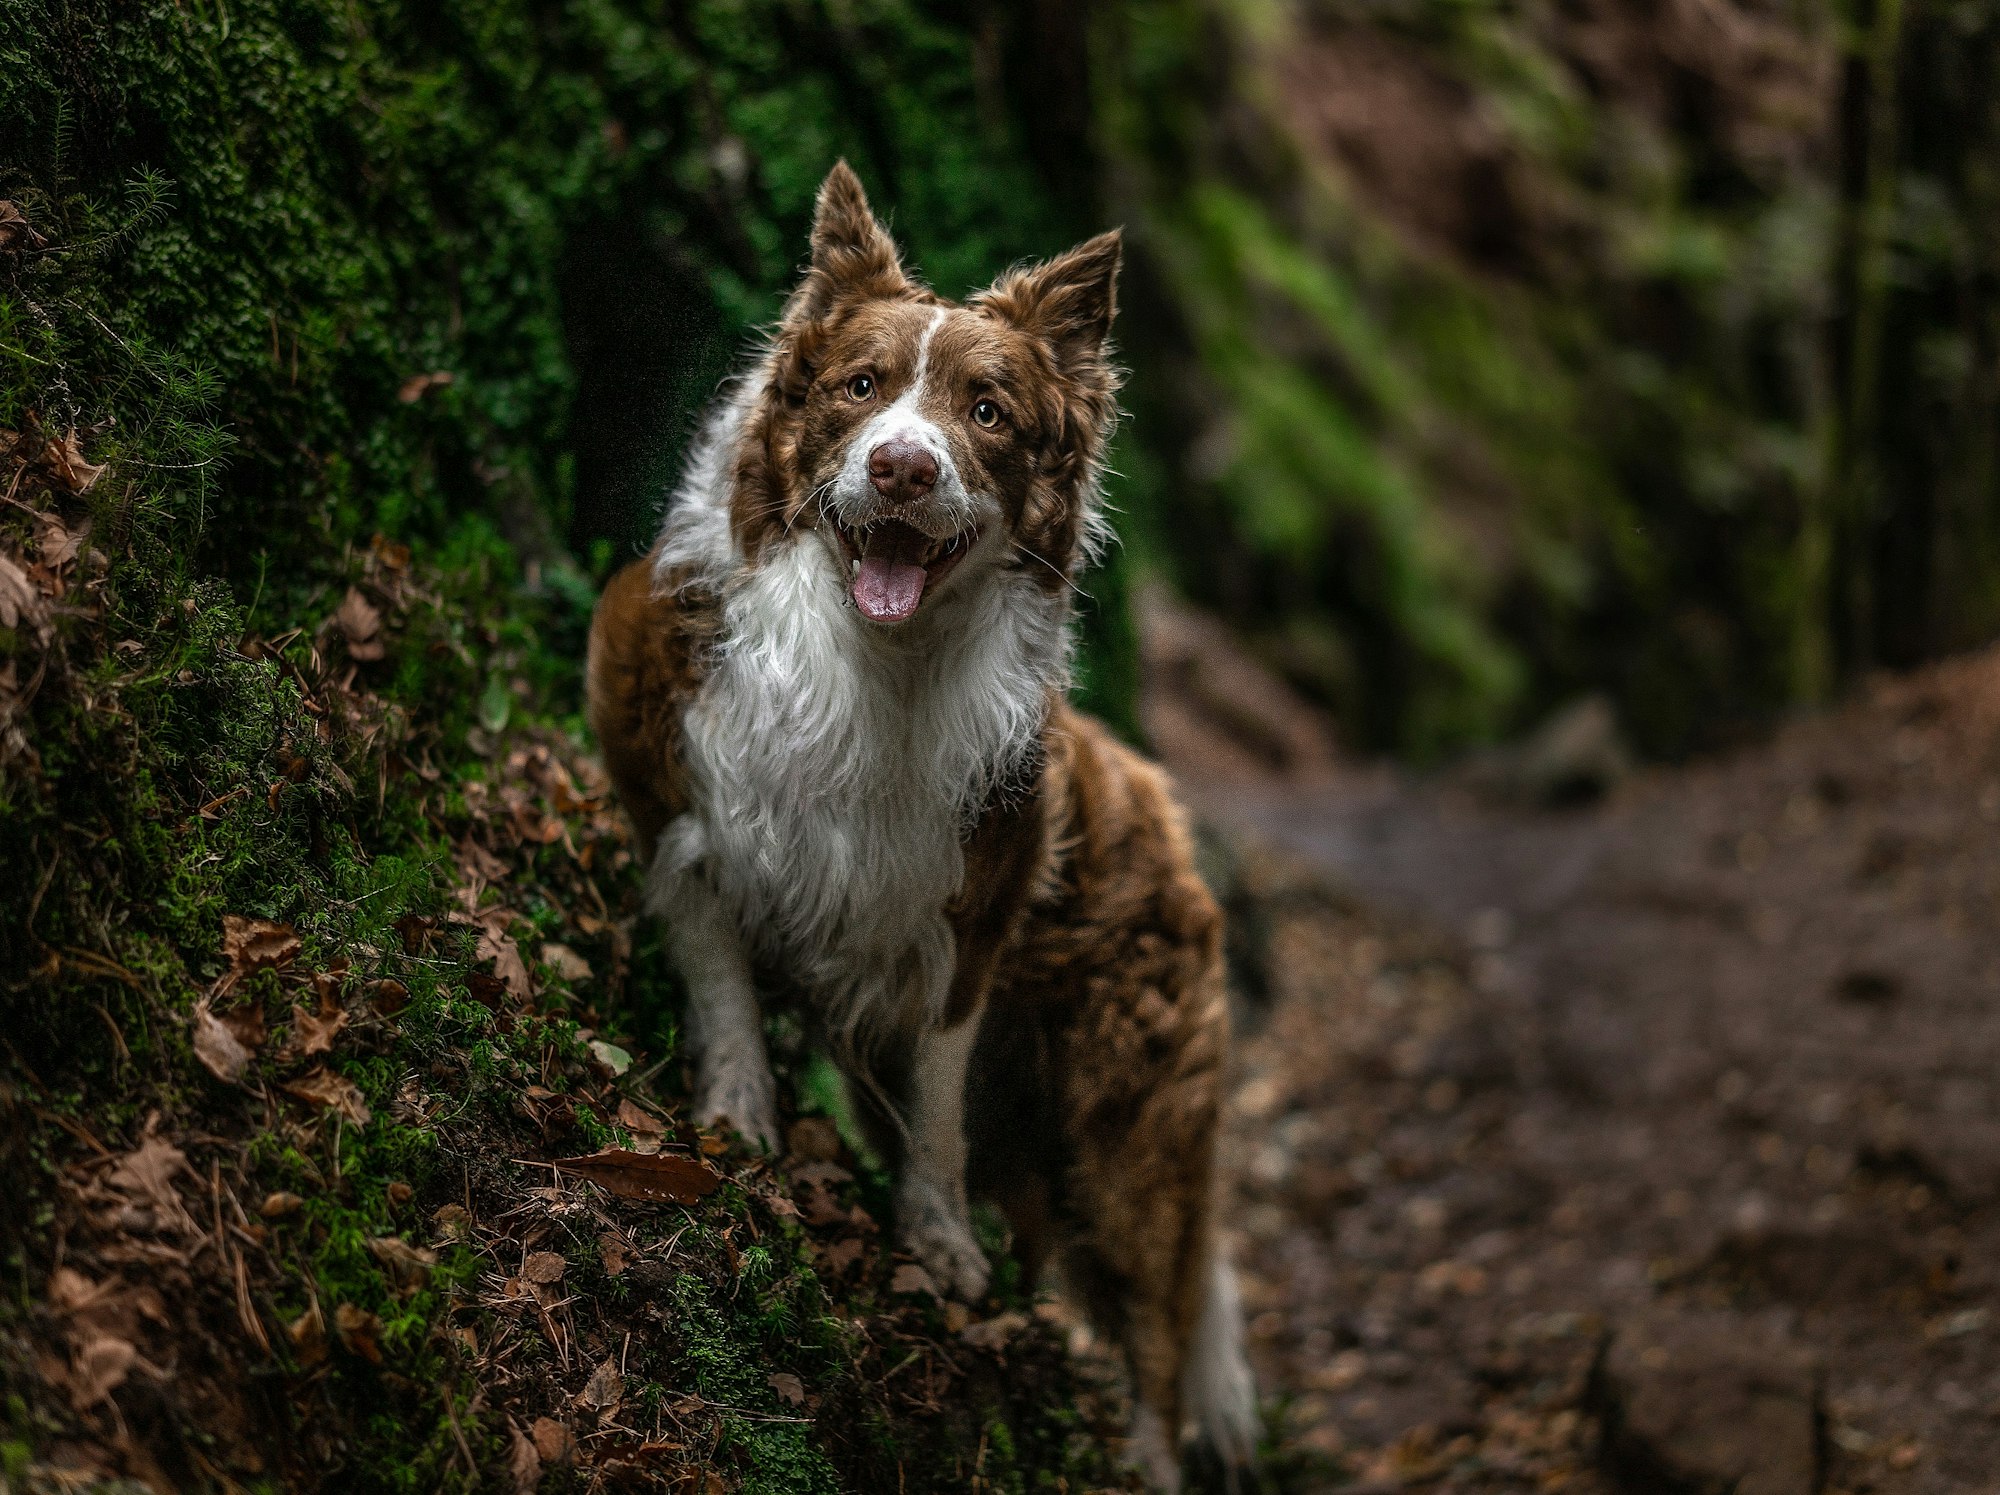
<point>853,257</point>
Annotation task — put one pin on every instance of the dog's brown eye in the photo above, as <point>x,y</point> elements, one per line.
<point>987,414</point>
<point>861,387</point>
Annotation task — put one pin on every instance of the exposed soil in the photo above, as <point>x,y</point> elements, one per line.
<point>1645,1146</point>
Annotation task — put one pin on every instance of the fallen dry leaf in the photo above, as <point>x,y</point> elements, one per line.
<point>15,231</point>
<point>453,1221</point>
<point>64,462</point>
<point>59,542</point>
<point>361,624</point>
<point>612,1252</point>
<point>648,1131</point>
<point>388,996</point>
<point>278,1205</point>
<point>410,1266</point>
<point>605,1388</point>
<point>544,1267</point>
<point>255,945</point>
<point>359,1332</point>
<point>99,1365</point>
<point>566,963</point>
<point>328,1090</point>
<point>791,1390</point>
<point>148,1172</point>
<point>314,1033</point>
<point>307,1333</point>
<point>911,1278</point>
<point>21,603</point>
<point>553,1440</point>
<point>813,1139</point>
<point>993,1333</point>
<point>225,1045</point>
<point>674,1178</point>
<point>417,386</point>
<point>524,1462</point>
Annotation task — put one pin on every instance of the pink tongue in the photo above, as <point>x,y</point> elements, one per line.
<point>890,583</point>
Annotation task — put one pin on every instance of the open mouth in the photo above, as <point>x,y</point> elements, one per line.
<point>893,565</point>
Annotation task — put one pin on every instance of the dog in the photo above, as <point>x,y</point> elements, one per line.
<point>832,700</point>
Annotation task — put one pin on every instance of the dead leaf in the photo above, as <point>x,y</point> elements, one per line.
<point>326,1089</point>
<point>791,1390</point>
<point>16,232</point>
<point>605,1389</point>
<point>361,625</point>
<point>148,1172</point>
<point>307,1333</point>
<point>416,386</point>
<point>544,1267</point>
<point>648,1131</point>
<point>813,1139</point>
<point>226,1047</point>
<point>843,1254</point>
<point>388,996</point>
<point>359,1332</point>
<point>453,1221</point>
<point>993,1333</point>
<point>409,1266</point>
<point>524,1462</point>
<point>59,542</point>
<point>611,1251</point>
<point>674,1178</point>
<point>911,1278</point>
<point>64,462</point>
<point>567,964</point>
<point>99,1365</point>
<point>21,601</point>
<point>314,1033</point>
<point>255,945</point>
<point>494,945</point>
<point>553,1441</point>
<point>278,1205</point>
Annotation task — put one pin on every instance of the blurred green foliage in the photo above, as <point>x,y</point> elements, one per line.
<point>1498,353</point>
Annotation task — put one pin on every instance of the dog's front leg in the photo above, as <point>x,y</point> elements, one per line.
<point>932,1220</point>
<point>725,1026</point>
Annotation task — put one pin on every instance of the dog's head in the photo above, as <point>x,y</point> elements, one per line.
<point>922,442</point>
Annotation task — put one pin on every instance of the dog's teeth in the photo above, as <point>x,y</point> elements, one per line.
<point>856,570</point>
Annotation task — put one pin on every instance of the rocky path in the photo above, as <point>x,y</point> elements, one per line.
<point>1651,1146</point>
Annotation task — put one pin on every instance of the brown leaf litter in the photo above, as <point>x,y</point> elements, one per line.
<point>670,1178</point>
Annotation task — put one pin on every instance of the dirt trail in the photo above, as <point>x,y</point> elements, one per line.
<point>1648,1146</point>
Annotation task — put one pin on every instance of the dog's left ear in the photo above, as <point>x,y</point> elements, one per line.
<point>1068,302</point>
<point>853,256</point>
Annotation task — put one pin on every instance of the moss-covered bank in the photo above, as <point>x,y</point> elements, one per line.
<point>344,346</point>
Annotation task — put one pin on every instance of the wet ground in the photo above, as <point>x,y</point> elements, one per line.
<point>1650,1145</point>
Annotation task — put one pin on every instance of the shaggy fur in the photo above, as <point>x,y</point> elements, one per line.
<point>832,700</point>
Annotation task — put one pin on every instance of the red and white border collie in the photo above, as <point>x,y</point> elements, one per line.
<point>833,702</point>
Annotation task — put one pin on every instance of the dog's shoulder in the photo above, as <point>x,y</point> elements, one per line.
<point>650,642</point>
<point>1127,849</point>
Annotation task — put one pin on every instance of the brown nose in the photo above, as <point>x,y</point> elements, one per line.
<point>901,470</point>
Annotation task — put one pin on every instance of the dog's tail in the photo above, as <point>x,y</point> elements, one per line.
<point>1216,1386</point>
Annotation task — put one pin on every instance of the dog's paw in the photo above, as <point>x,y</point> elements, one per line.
<point>743,1096</point>
<point>939,1235</point>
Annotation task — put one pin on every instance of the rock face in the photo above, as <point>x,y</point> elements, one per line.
<point>1704,1403</point>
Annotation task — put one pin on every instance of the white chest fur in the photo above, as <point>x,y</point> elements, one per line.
<point>835,765</point>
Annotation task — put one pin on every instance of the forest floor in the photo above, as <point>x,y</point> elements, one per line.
<point>1644,1145</point>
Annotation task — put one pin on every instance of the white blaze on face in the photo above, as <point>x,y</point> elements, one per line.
<point>897,561</point>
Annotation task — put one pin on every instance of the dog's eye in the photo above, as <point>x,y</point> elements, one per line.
<point>987,414</point>
<point>861,387</point>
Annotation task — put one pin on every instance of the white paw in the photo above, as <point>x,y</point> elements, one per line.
<point>1151,1451</point>
<point>935,1230</point>
<point>741,1095</point>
